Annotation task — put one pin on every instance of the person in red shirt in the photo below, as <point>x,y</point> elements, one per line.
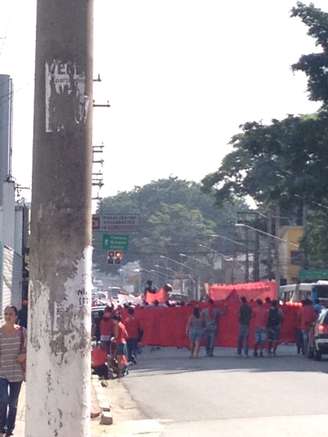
<point>106,328</point>
<point>121,336</point>
<point>99,362</point>
<point>307,318</point>
<point>133,328</point>
<point>260,315</point>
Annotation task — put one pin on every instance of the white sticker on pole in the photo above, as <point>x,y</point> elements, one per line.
<point>66,103</point>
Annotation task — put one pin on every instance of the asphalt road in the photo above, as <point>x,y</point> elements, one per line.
<point>229,396</point>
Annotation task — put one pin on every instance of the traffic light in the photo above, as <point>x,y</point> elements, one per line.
<point>110,257</point>
<point>114,257</point>
<point>118,257</point>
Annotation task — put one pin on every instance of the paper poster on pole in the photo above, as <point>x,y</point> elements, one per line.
<point>65,101</point>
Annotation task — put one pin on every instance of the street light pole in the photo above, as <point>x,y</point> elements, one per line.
<point>195,259</point>
<point>266,233</point>
<point>58,356</point>
<point>225,257</point>
<point>188,275</point>
<point>176,262</point>
<point>256,268</point>
<point>197,289</point>
<point>234,255</point>
<point>246,256</point>
<point>238,243</point>
<point>158,273</point>
<point>276,240</point>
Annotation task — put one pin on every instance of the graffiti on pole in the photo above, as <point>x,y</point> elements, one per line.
<point>66,101</point>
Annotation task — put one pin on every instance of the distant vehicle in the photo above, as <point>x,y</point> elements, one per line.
<point>299,292</point>
<point>178,297</point>
<point>97,312</point>
<point>113,292</point>
<point>320,291</point>
<point>101,295</point>
<point>318,337</point>
<point>96,315</point>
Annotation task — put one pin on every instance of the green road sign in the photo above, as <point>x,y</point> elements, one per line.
<point>313,275</point>
<point>115,242</point>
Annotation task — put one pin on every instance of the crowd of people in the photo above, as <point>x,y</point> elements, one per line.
<point>203,327</point>
<point>267,317</point>
<point>118,333</point>
<point>123,334</point>
<point>118,340</point>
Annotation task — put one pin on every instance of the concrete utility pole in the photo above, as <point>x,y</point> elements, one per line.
<point>58,368</point>
<point>246,255</point>
<point>256,271</point>
<point>277,247</point>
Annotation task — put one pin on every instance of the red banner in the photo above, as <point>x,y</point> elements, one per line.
<point>161,296</point>
<point>251,290</point>
<point>167,326</point>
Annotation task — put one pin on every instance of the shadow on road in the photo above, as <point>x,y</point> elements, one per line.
<point>176,361</point>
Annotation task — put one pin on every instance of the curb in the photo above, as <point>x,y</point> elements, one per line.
<point>95,407</point>
<point>101,400</point>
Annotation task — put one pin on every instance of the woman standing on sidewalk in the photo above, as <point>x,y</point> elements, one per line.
<point>12,359</point>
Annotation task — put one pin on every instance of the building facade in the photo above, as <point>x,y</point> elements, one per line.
<point>6,111</point>
<point>291,257</point>
<point>11,214</point>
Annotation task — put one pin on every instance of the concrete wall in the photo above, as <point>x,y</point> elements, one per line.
<point>11,248</point>
<point>11,216</point>
<point>7,276</point>
<point>19,230</point>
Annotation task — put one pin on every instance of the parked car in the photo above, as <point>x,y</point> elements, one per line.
<point>318,337</point>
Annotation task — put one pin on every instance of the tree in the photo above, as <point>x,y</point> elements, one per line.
<point>174,227</point>
<point>286,158</point>
<point>286,162</point>
<point>278,162</point>
<point>315,65</point>
<point>315,240</point>
<point>174,216</point>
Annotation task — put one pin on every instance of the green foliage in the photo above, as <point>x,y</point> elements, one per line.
<point>315,65</point>
<point>273,163</point>
<point>286,162</point>
<point>315,241</point>
<point>173,227</point>
<point>175,216</point>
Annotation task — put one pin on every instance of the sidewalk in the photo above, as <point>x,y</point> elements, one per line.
<point>129,420</point>
<point>20,420</point>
